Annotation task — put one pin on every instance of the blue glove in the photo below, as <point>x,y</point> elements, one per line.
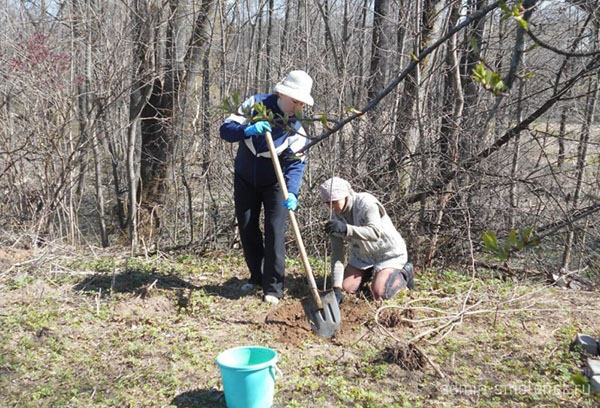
<point>291,203</point>
<point>257,128</point>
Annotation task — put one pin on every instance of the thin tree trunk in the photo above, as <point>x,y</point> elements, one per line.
<point>222,54</point>
<point>400,47</point>
<point>285,32</point>
<point>517,61</point>
<point>359,92</point>
<point>250,43</point>
<point>305,36</point>
<point>513,192</point>
<point>562,133</point>
<point>99,193</point>
<point>450,131</point>
<point>259,47</point>
<point>324,10</point>
<point>132,183</point>
<point>468,63</point>
<point>114,165</point>
<point>83,69</point>
<point>379,49</point>
<point>188,192</point>
<point>269,42</point>
<point>94,136</point>
<point>581,164</point>
<point>197,61</point>
<point>405,115</point>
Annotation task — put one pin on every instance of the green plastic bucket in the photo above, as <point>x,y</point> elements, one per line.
<point>248,375</point>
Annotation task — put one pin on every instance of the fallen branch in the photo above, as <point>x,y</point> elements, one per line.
<point>447,321</point>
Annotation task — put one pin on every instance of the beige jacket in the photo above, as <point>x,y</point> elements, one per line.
<point>372,238</point>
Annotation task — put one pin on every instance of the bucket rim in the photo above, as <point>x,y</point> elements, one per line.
<point>254,367</point>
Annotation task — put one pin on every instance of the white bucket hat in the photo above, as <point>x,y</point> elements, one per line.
<point>297,85</point>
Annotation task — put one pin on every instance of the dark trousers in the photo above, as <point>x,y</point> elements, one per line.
<point>270,251</point>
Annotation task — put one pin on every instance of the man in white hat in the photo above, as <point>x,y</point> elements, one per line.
<point>255,182</point>
<point>375,246</point>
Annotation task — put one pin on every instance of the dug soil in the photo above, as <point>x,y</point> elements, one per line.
<point>290,323</point>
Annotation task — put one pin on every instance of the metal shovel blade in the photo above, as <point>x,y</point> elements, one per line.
<point>326,321</point>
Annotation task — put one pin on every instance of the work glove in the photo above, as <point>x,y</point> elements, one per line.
<point>291,203</point>
<point>257,128</point>
<point>339,296</point>
<point>336,227</point>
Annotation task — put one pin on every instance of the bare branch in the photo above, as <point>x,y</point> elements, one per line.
<point>411,66</point>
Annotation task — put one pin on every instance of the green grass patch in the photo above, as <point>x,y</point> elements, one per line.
<point>121,331</point>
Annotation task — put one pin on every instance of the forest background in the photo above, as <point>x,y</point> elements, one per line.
<point>463,117</point>
<point>468,119</point>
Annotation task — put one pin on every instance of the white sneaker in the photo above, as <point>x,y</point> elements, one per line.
<point>247,287</point>
<point>271,299</point>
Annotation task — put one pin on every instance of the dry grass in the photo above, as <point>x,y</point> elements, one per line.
<point>118,331</point>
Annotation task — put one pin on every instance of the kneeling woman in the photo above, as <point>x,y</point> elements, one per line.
<point>376,248</point>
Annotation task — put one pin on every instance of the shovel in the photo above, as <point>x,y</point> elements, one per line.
<point>322,312</point>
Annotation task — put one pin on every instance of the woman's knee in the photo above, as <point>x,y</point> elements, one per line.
<point>387,284</point>
<point>352,279</point>
<point>378,289</point>
<point>351,284</point>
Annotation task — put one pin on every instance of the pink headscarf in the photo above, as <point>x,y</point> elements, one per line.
<point>335,189</point>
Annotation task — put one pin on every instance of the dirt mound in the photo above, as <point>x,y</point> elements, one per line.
<point>289,321</point>
<point>291,324</point>
<point>391,318</point>
<point>408,357</point>
<point>11,256</point>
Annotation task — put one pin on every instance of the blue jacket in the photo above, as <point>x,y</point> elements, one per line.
<point>253,161</point>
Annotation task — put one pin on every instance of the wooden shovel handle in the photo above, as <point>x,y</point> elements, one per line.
<point>311,279</point>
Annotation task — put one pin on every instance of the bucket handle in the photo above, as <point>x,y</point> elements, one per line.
<point>275,372</point>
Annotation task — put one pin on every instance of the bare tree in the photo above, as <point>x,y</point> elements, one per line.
<point>126,95</point>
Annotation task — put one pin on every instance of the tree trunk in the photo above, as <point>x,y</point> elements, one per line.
<point>268,62</point>
<point>82,33</point>
<point>468,63</point>
<point>250,47</point>
<point>514,192</point>
<point>379,48</point>
<point>132,219</point>
<point>159,101</point>
<point>377,78</point>
<point>94,134</point>
<point>449,132</point>
<point>257,52</point>
<point>562,134</point>
<point>581,164</point>
<point>142,89</point>
<point>402,22</point>
<point>285,32</point>
<point>406,134</point>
